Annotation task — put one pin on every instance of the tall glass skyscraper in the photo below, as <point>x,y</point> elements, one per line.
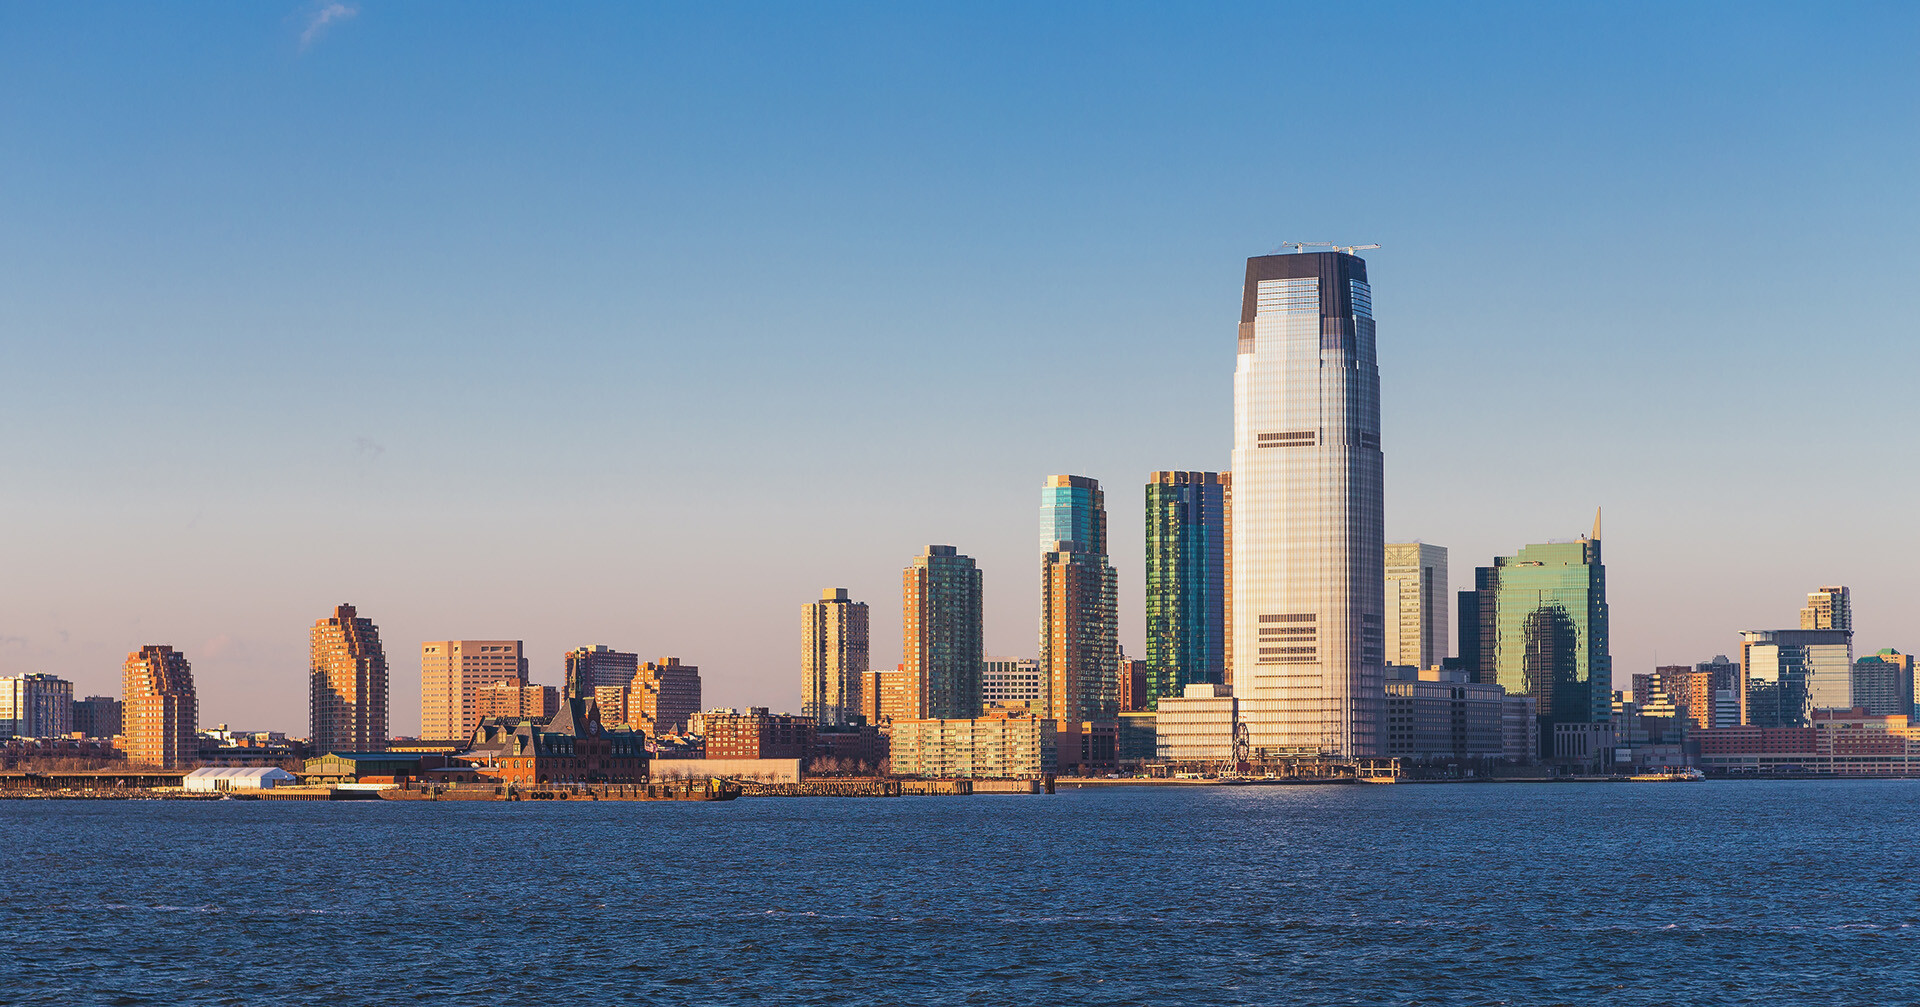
<point>1308,528</point>
<point>1543,631</point>
<point>1079,603</point>
<point>1186,583</point>
<point>940,636</point>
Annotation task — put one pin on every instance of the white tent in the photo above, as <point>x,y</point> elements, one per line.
<point>211,778</point>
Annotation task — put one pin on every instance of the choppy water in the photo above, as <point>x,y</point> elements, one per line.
<point>1740,892</point>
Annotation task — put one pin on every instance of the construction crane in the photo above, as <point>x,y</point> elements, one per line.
<point>1301,246</point>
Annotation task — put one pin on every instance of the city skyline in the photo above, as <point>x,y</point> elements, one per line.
<point>1581,269</point>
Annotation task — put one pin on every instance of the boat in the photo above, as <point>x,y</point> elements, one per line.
<point>1376,779</point>
<point>1672,774</point>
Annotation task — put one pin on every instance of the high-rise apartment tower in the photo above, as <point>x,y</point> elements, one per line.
<point>35,706</point>
<point>346,685</point>
<point>1308,524</point>
<point>452,673</point>
<point>940,637</point>
<point>159,708</point>
<point>1186,583</point>
<point>833,658</point>
<point>1079,603</point>
<point>590,668</point>
<point>1828,608</point>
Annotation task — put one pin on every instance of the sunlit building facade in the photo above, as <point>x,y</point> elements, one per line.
<point>1544,633</point>
<point>940,637</point>
<point>1789,673</point>
<point>589,668</point>
<point>1416,604</point>
<point>451,674</point>
<point>347,684</point>
<point>833,658</point>
<point>1883,684</point>
<point>159,708</point>
<point>1186,588</point>
<point>1308,527</point>
<point>1079,603</point>
<point>35,706</point>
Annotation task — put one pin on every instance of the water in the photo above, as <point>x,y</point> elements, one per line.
<point>1720,892</point>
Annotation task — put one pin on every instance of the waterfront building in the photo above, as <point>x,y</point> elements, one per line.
<point>97,716</point>
<point>1135,692</point>
<point>589,668</point>
<point>1789,673</point>
<point>940,636</point>
<point>1519,729</point>
<point>999,744</point>
<point>1308,566</point>
<point>1197,727</point>
<point>1883,684</point>
<point>833,657</point>
<point>667,693</point>
<point>1416,604</point>
<point>757,734</point>
<point>574,747</point>
<point>1005,680</point>
<point>1726,708</point>
<point>1543,631</point>
<point>160,707</point>
<point>858,747</point>
<point>1137,740</point>
<point>1831,742</point>
<point>451,674</point>
<point>514,700</point>
<point>1079,603</point>
<point>1828,608</point>
<point>347,684</point>
<point>1679,691</point>
<point>35,706</point>
<point>1435,713</point>
<point>1186,583</point>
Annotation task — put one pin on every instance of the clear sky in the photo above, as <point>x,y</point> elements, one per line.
<point>640,325</point>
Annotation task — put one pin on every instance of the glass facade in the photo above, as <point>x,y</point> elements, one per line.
<point>940,633</point>
<point>1308,606</point>
<point>1079,603</point>
<point>1416,604</point>
<point>1543,632</point>
<point>1792,672</point>
<point>1186,583</point>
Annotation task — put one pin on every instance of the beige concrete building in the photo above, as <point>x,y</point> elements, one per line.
<point>614,702</point>
<point>667,693</point>
<point>346,685</point>
<point>833,657</point>
<point>451,674</point>
<point>1001,744</point>
<point>1828,608</point>
<point>1196,727</point>
<point>160,709</point>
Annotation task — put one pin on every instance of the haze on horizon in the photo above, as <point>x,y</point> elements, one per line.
<point>640,326</point>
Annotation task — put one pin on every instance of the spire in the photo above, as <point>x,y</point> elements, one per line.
<point>1596,524</point>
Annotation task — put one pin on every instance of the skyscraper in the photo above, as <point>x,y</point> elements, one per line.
<point>833,657</point>
<point>347,685</point>
<point>1186,583</point>
<point>35,706</point>
<point>667,693</point>
<point>1883,683</point>
<point>159,708</point>
<point>1544,631</point>
<point>1789,673</point>
<point>1828,608</point>
<point>451,675</point>
<point>940,636</point>
<point>1416,604</point>
<point>1308,575</point>
<point>590,668</point>
<point>1079,603</point>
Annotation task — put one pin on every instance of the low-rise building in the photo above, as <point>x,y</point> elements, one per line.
<point>1136,742</point>
<point>757,734</point>
<point>1437,713</point>
<point>1836,742</point>
<point>1196,728</point>
<point>852,746</point>
<point>572,747</point>
<point>1003,743</point>
<point>1519,729</point>
<point>515,700</point>
<point>208,779</point>
<point>1009,680</point>
<point>97,716</point>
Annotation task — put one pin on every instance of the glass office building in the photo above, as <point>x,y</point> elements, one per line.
<point>1790,673</point>
<point>1543,631</point>
<point>1186,583</point>
<point>1416,604</point>
<point>1308,528</point>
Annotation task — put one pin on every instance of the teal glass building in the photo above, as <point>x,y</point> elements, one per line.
<point>1079,603</point>
<point>1186,583</point>
<point>1543,631</point>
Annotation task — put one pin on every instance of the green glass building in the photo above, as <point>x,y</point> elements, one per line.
<point>1543,631</point>
<point>1186,583</point>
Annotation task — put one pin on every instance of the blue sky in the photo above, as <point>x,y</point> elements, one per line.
<point>640,325</point>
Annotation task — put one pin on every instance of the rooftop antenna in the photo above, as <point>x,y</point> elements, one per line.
<point>1301,246</point>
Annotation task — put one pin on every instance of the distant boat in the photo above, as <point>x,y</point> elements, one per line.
<point>1376,779</point>
<point>1669,775</point>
